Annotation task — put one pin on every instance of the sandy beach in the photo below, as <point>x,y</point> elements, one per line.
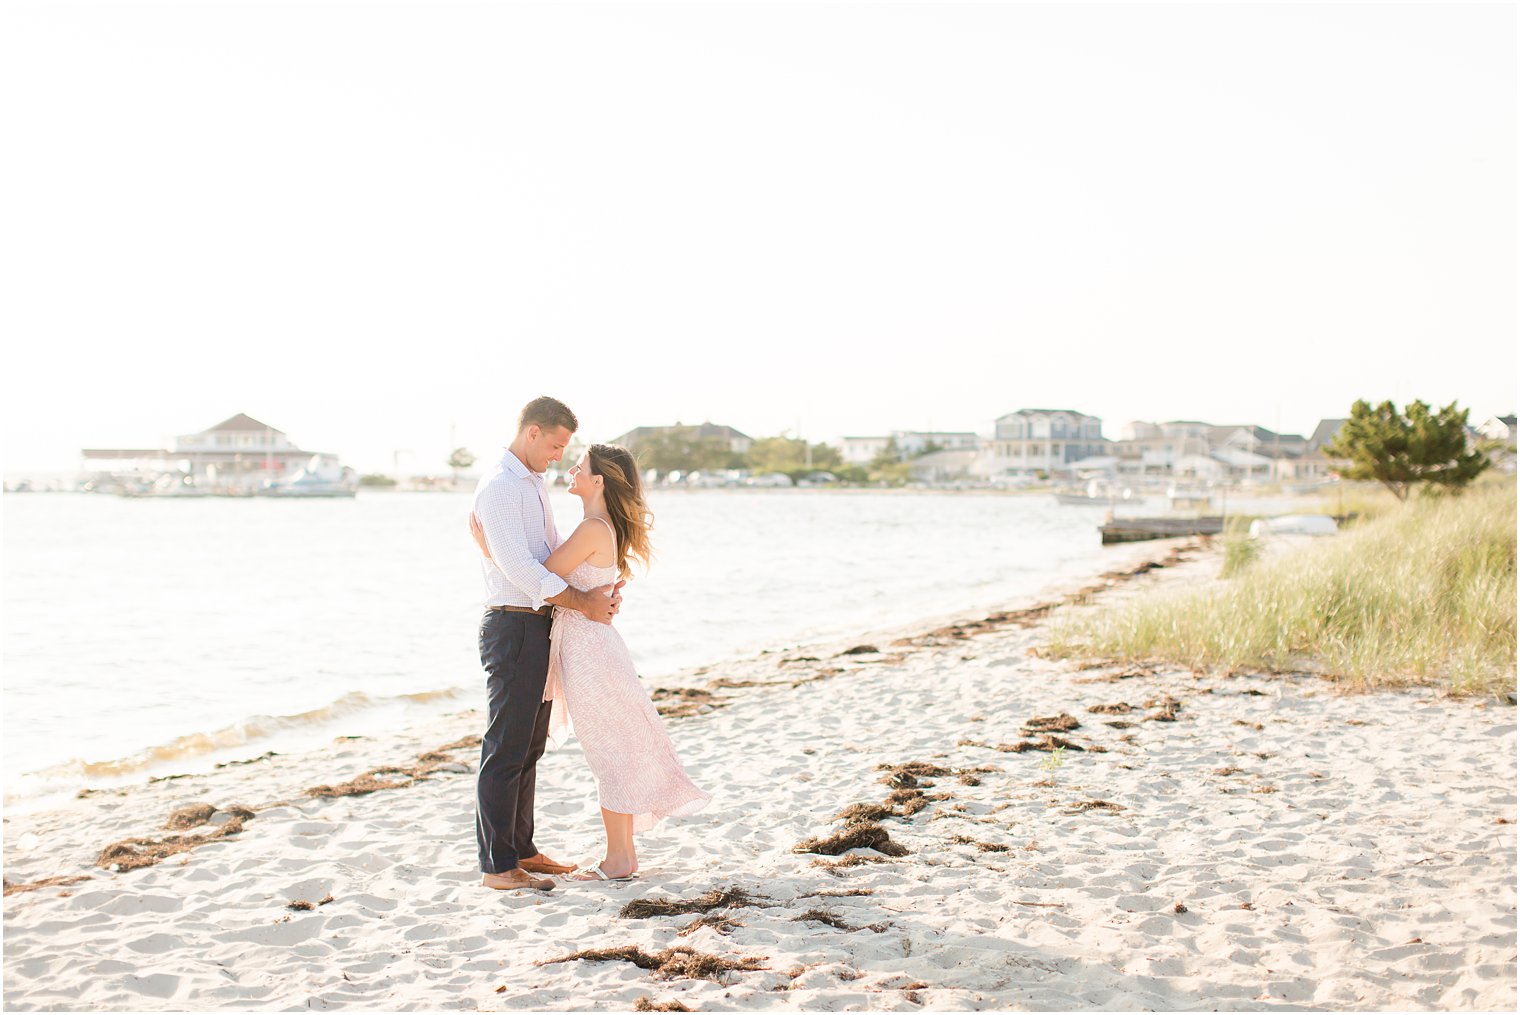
<point>1201,841</point>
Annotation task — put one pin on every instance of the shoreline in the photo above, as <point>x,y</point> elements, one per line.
<point>1227,841</point>
<point>1271,491</point>
<point>235,745</point>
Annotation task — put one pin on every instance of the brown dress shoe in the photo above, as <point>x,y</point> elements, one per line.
<point>517,878</point>
<point>541,864</point>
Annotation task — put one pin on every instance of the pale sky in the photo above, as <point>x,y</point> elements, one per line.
<point>371,225</point>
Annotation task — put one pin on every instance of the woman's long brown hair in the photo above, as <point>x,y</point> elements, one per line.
<point>624,493</point>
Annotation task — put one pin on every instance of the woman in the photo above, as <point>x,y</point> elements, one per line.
<point>591,677</point>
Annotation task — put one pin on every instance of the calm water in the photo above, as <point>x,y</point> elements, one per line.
<point>142,636</point>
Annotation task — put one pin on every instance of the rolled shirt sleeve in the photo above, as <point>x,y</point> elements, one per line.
<point>501,509</point>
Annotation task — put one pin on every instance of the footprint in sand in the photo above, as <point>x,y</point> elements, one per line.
<point>369,862</point>
<point>39,966</point>
<point>312,890</point>
<point>283,933</point>
<point>155,944</point>
<point>153,985</point>
<point>373,902</point>
<point>428,932</point>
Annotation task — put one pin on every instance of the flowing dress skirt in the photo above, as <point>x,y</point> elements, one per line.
<point>597,693</point>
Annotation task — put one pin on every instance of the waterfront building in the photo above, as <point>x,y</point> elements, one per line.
<point>238,455</point>
<point>1042,440</point>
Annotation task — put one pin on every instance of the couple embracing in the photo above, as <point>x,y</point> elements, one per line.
<point>554,661</point>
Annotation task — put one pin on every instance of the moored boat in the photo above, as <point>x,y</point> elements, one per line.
<point>320,477</point>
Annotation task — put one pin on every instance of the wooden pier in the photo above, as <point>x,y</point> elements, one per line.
<point>1133,530</point>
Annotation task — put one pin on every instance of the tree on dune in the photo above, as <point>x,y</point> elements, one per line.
<point>1401,449</point>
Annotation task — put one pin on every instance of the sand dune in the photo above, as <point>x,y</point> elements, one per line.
<point>1222,842</point>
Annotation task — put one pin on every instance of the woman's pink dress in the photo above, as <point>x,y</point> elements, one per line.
<point>596,691</point>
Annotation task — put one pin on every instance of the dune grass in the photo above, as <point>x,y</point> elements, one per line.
<point>1240,550</point>
<point>1422,592</point>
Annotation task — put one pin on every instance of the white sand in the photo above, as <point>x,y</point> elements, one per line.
<point>1361,831</point>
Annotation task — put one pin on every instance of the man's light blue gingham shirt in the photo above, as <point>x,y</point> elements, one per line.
<point>512,505</point>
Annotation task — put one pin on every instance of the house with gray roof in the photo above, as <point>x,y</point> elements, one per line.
<point>1041,440</point>
<point>735,441</point>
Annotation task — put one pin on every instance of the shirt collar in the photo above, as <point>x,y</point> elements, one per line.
<point>515,466</point>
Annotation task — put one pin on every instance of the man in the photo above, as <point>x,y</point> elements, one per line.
<point>512,507</point>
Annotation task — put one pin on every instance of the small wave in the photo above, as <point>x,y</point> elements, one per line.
<point>259,727</point>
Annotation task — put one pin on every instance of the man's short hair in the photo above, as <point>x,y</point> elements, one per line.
<point>547,413</point>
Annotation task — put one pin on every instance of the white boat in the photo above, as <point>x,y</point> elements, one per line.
<point>1096,493</point>
<point>317,478</point>
<point>168,484</point>
<point>1294,525</point>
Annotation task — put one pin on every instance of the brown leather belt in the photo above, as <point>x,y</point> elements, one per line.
<point>542,611</point>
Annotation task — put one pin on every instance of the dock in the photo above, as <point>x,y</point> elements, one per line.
<point>1133,530</point>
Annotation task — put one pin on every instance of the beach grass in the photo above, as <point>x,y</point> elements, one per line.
<point>1240,550</point>
<point>1422,592</point>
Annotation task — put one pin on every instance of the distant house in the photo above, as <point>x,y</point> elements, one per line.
<point>1205,468</point>
<point>1502,430</point>
<point>1182,447</point>
<point>1157,448</point>
<point>911,443</point>
<point>1257,440</point>
<point>942,466</point>
<point>1242,465</point>
<point>736,442</point>
<point>1283,452</point>
<point>1498,428</point>
<point>1042,440</point>
<point>863,450</point>
<point>906,444</point>
<point>238,452</point>
<point>1315,464</point>
<point>1326,432</point>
